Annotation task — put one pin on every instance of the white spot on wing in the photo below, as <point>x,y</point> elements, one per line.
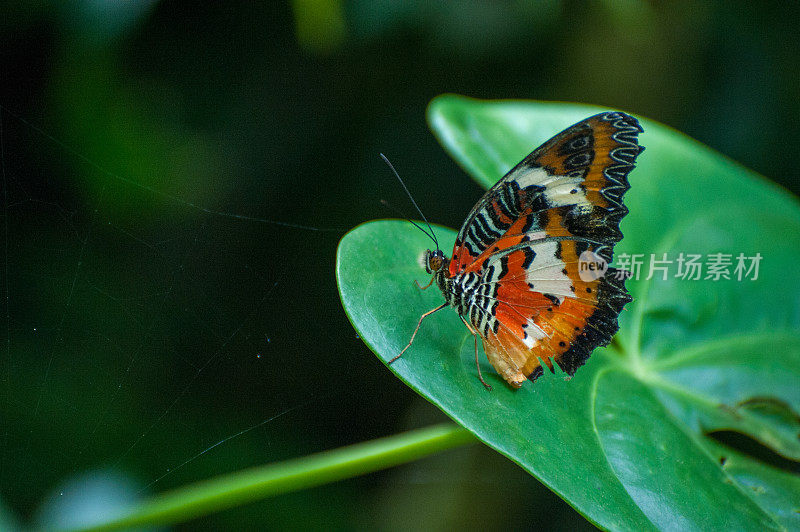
<point>561,194</point>
<point>558,188</point>
<point>534,335</point>
<point>533,176</point>
<point>545,272</point>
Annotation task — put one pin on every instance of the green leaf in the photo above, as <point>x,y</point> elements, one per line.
<point>626,440</point>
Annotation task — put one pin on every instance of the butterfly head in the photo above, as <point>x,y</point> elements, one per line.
<point>434,261</point>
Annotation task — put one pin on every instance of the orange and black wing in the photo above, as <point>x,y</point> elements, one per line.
<point>526,238</point>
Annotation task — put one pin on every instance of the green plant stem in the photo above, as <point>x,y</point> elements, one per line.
<point>274,479</point>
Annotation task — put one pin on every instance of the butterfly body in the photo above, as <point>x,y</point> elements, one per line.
<point>515,273</point>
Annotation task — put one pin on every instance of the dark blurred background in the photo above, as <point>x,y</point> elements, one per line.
<point>153,312</point>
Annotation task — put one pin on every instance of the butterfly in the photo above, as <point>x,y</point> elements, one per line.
<point>514,276</point>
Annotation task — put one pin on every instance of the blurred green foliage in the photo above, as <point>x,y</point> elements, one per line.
<point>144,325</point>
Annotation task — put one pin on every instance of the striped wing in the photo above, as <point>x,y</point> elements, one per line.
<point>525,237</point>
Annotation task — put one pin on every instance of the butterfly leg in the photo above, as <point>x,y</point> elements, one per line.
<point>426,286</point>
<point>440,307</point>
<point>477,360</point>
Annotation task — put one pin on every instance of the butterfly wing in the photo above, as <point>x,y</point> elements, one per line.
<point>525,237</point>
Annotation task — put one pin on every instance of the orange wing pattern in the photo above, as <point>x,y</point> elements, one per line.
<point>516,258</point>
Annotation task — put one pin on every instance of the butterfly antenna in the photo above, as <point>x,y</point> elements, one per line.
<point>406,218</point>
<point>432,235</point>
